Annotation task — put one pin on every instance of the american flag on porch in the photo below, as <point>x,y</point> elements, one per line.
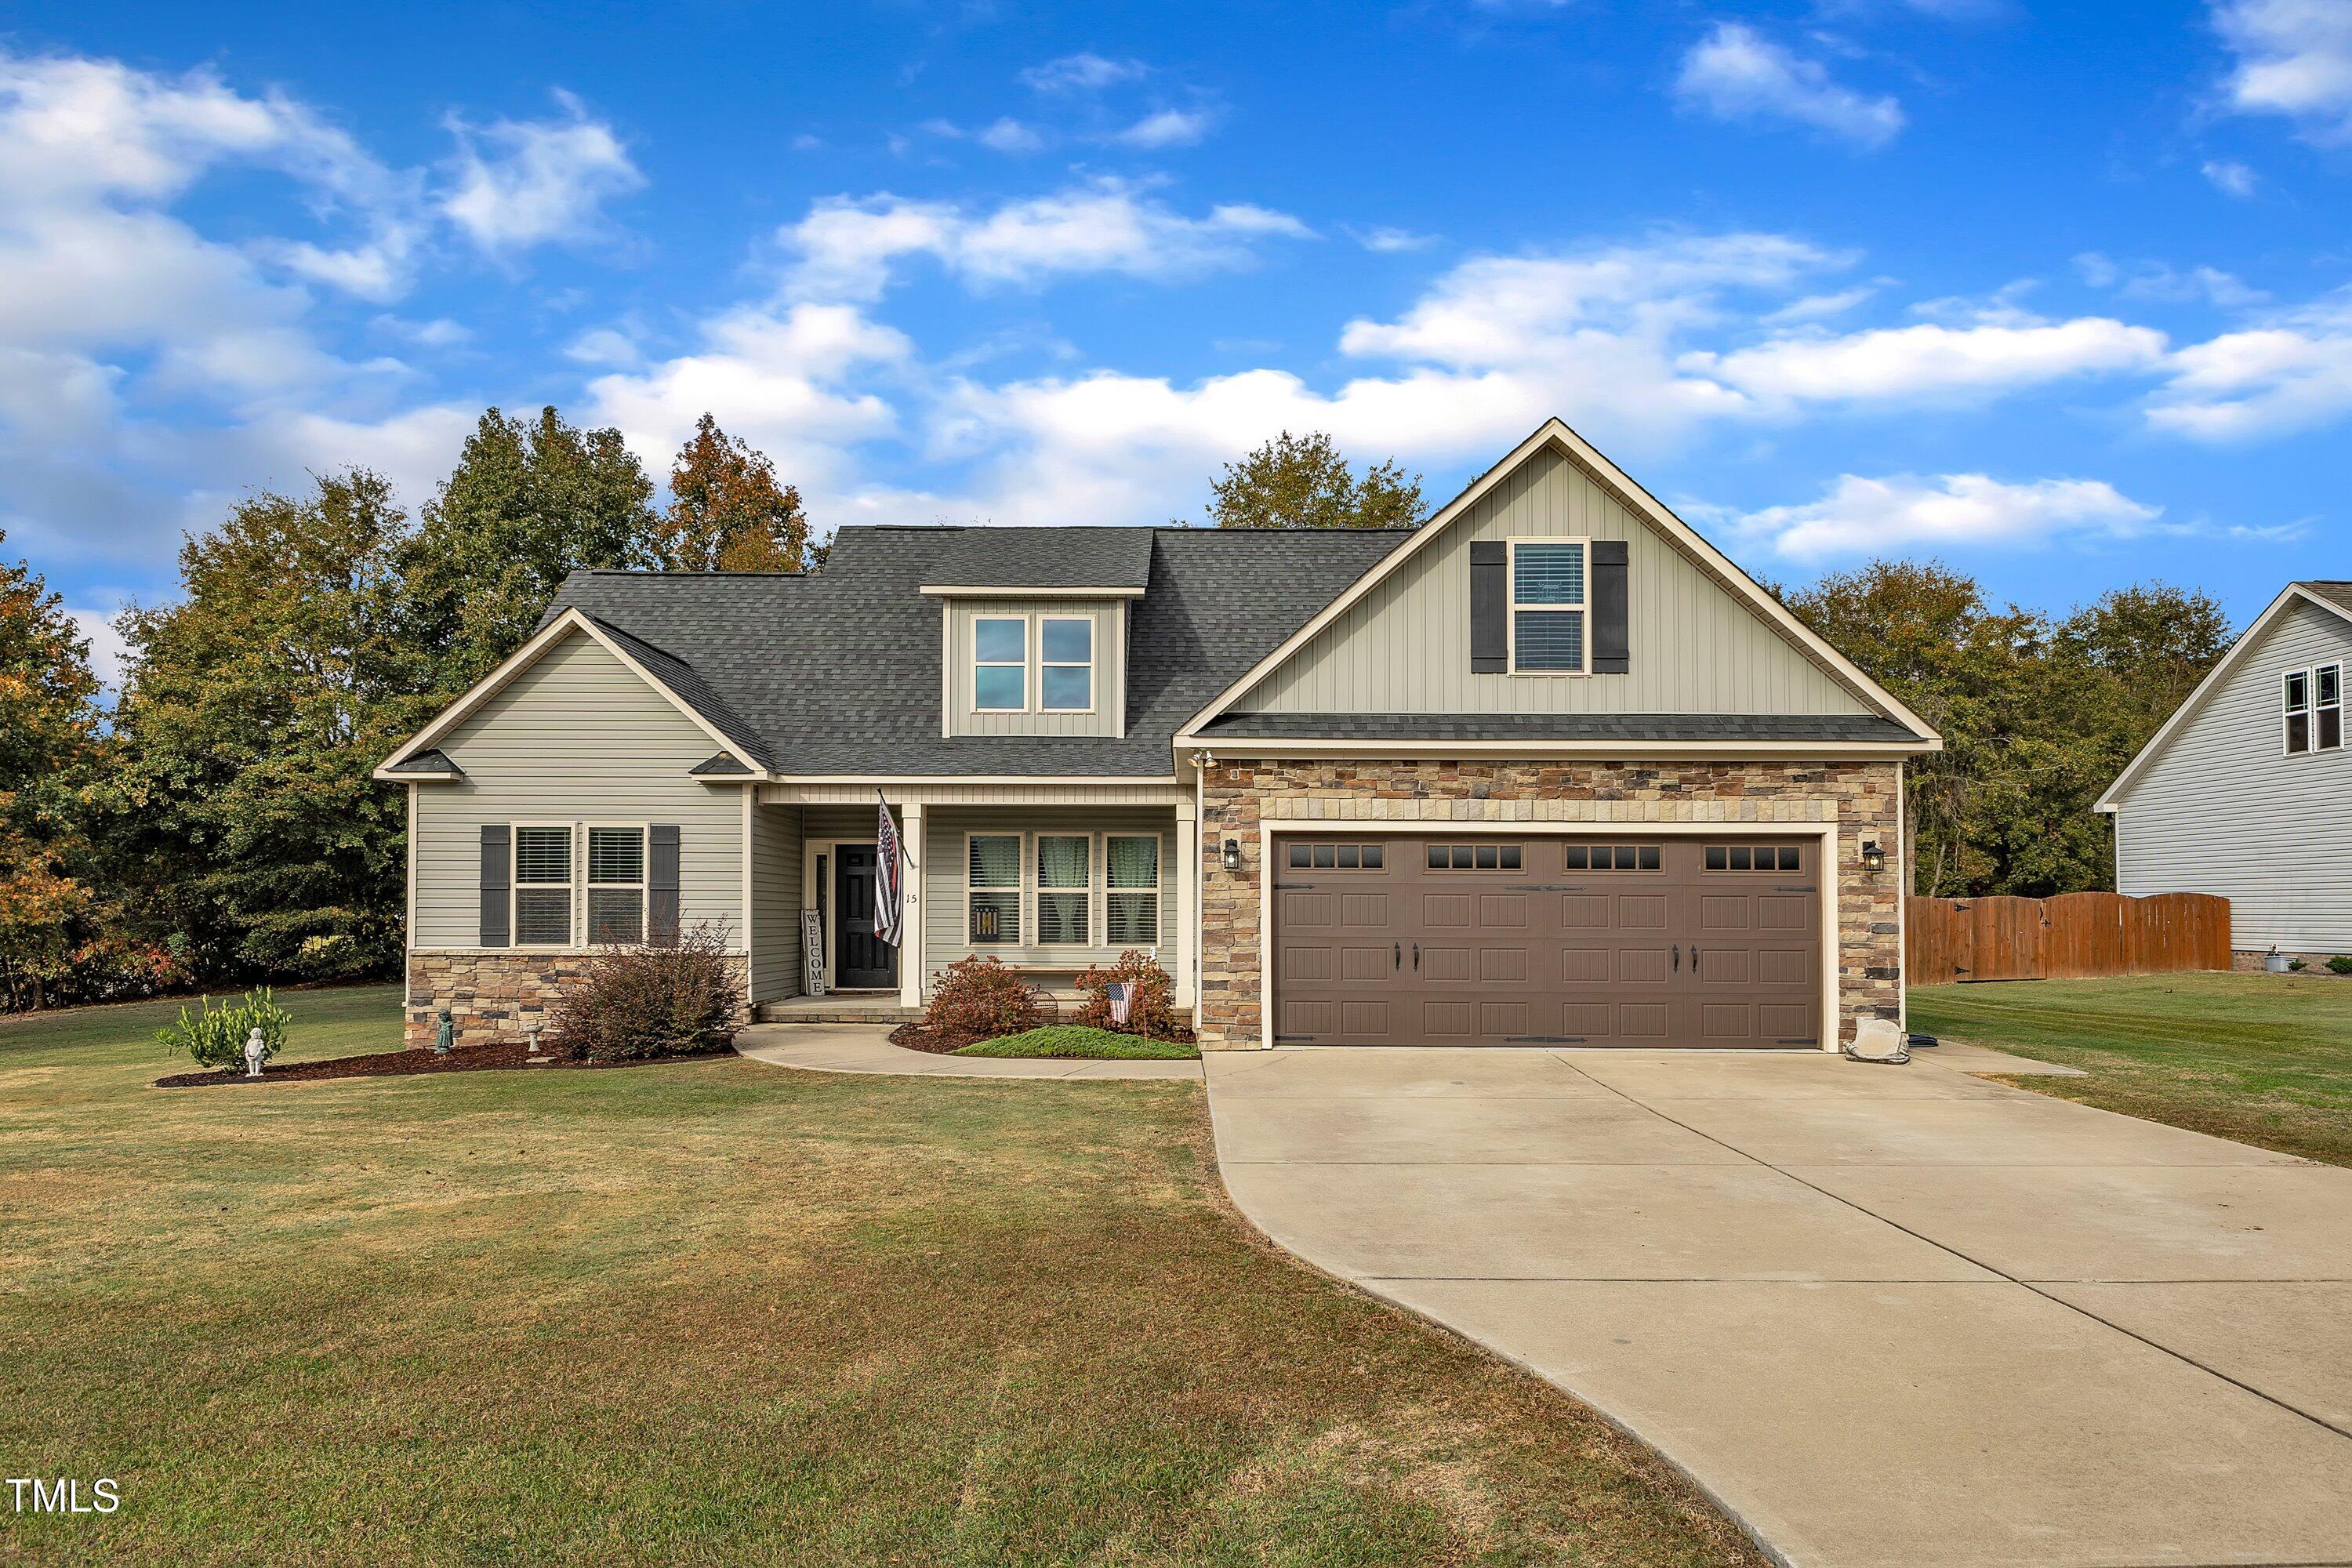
<point>888,878</point>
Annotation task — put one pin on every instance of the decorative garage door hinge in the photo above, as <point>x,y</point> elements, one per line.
<point>1808,1040</point>
<point>1279,1039</point>
<point>1544,1039</point>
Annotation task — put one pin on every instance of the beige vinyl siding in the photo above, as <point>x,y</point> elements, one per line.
<point>776,901</point>
<point>1406,647</point>
<point>2223,810</point>
<point>943,885</point>
<point>579,738</point>
<point>1109,617</point>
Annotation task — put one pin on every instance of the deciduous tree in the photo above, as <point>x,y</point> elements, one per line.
<point>1303,481</point>
<point>728,512</point>
<point>50,736</point>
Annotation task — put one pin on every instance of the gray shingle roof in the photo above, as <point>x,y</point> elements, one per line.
<point>838,672</point>
<point>2335,593</point>
<point>434,763</point>
<point>1761,728</point>
<point>1043,558</point>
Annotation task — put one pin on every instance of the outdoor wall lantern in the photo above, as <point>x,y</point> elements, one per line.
<point>1873,859</point>
<point>1230,857</point>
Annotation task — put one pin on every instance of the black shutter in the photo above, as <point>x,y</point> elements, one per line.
<point>1490,634</point>
<point>495,864</point>
<point>661,886</point>
<point>1610,648</point>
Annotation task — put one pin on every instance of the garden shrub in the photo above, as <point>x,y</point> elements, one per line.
<point>1151,1007</point>
<point>670,998</point>
<point>2296,965</point>
<point>979,998</point>
<point>2339,965</point>
<point>215,1036</point>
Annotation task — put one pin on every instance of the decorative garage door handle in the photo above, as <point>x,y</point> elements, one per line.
<point>1400,956</point>
<point>1677,949</point>
<point>1416,956</point>
<point>1694,958</point>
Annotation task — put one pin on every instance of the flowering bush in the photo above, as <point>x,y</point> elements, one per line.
<point>215,1036</point>
<point>979,998</point>
<point>1151,999</point>
<point>670,998</point>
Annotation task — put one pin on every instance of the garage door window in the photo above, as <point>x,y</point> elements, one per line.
<point>1338,858</point>
<point>1613,858</point>
<point>1754,857</point>
<point>1477,856</point>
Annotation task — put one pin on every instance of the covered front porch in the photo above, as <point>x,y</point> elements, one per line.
<point>1051,879</point>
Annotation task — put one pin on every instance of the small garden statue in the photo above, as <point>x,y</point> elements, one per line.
<point>531,1031</point>
<point>256,1047</point>
<point>446,1036</point>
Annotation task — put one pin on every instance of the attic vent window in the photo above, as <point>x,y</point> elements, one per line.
<point>1548,606</point>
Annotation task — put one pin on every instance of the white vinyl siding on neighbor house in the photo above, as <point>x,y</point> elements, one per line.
<point>947,885</point>
<point>1042,709</point>
<point>575,739</point>
<point>2223,808</point>
<point>1405,646</point>
<point>776,902</point>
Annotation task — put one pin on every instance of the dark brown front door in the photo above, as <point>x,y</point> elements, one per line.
<point>1545,940</point>
<point>862,961</point>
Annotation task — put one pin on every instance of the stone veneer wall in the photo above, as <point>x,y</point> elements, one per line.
<point>1864,799</point>
<point>494,996</point>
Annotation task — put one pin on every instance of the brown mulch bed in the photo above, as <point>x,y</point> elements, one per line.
<point>938,1042</point>
<point>500,1058</point>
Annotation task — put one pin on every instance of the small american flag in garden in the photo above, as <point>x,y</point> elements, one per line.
<point>886,877</point>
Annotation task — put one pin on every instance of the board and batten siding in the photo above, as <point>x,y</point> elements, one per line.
<point>776,902</point>
<point>576,738</point>
<point>1405,646</point>
<point>2223,809</point>
<point>944,927</point>
<point>1109,617</point>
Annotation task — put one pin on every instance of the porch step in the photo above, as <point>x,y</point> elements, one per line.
<point>832,1010</point>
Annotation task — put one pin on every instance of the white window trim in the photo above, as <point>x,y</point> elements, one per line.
<point>1036,873</point>
<point>2312,708</point>
<point>644,885</point>
<point>1019,891</point>
<point>1094,641</point>
<point>1160,873</point>
<point>1583,607</point>
<point>1028,661</point>
<point>572,884</point>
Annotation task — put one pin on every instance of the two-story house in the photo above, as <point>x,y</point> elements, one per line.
<point>1548,769</point>
<point>2247,790</point>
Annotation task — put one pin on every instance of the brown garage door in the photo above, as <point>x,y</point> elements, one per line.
<point>1541,940</point>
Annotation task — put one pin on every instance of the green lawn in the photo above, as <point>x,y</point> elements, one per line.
<point>2265,1060</point>
<point>720,1312</point>
<point>1077,1040</point>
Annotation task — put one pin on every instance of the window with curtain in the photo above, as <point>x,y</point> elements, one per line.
<point>616,885</point>
<point>1131,891</point>
<point>1064,876</point>
<point>993,887</point>
<point>1065,663</point>
<point>1000,664</point>
<point>542,887</point>
<point>1548,606</point>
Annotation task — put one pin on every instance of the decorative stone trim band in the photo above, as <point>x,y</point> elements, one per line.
<point>494,996</point>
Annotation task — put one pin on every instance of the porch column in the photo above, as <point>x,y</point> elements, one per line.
<point>1188,900</point>
<point>910,909</point>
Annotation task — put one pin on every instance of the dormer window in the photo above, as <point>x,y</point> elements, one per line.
<point>1065,663</point>
<point>1000,664</point>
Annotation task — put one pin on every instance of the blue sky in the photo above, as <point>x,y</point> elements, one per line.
<point>2062,294</point>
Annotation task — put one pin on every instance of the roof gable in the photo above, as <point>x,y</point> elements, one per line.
<point>2330,598</point>
<point>1388,642</point>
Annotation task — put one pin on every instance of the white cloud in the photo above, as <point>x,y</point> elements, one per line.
<point>1009,135</point>
<point>1857,516</point>
<point>2290,372</point>
<point>1737,73</point>
<point>846,246</point>
<point>107,652</point>
<point>2295,59</point>
<point>1085,71</point>
<point>1819,307</point>
<point>1930,360</point>
<point>2231,177</point>
<point>603,346</point>
<point>440,332</point>
<point>540,180</point>
<point>1166,128</point>
<point>1391,241</point>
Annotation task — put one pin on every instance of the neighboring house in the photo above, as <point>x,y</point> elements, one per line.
<point>1548,769</point>
<point>2247,790</point>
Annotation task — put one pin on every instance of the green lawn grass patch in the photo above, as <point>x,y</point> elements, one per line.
<point>1076,1040</point>
<point>2261,1058</point>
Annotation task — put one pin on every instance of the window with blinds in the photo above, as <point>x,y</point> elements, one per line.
<point>616,886</point>
<point>1548,605</point>
<point>542,887</point>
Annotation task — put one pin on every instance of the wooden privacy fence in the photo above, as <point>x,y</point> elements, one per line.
<point>2073,936</point>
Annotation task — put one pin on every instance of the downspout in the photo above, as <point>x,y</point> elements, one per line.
<point>1199,884</point>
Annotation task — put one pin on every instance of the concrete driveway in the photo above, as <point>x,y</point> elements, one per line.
<point>1885,1315</point>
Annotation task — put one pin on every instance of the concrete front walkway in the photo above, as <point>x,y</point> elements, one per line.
<point>1885,1315</point>
<point>866,1047</point>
